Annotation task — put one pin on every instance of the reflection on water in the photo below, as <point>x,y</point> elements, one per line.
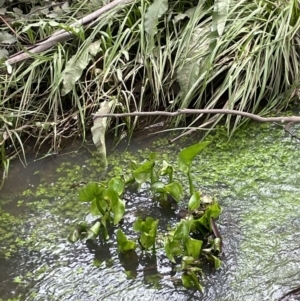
<point>256,177</point>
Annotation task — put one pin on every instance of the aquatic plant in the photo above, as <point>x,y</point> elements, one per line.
<point>194,238</point>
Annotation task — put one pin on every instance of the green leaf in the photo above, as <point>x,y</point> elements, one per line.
<point>128,179</point>
<point>152,156</point>
<point>190,280</point>
<point>192,59</point>
<point>148,229</point>
<point>194,202</point>
<point>124,244</point>
<point>187,281</point>
<point>133,165</point>
<point>187,261</point>
<point>172,248</point>
<point>220,16</point>
<point>143,173</point>
<point>158,187</point>
<point>94,208</point>
<point>90,192</point>
<point>187,155</point>
<point>175,189</point>
<point>153,13</point>
<point>214,260</point>
<point>214,210</point>
<point>104,219</point>
<point>218,244</point>
<point>147,225</point>
<point>94,231</point>
<point>117,205</point>
<point>74,236</point>
<point>95,47</point>
<point>117,184</point>
<point>193,247</point>
<point>167,169</point>
<point>182,230</point>
<point>203,221</point>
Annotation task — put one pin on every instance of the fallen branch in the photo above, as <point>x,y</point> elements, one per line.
<point>293,119</point>
<point>63,35</point>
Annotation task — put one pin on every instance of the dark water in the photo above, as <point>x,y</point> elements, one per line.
<point>256,177</point>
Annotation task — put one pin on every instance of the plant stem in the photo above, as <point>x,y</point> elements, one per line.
<point>190,182</point>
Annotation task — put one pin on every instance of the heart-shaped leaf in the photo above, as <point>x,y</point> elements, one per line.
<point>90,192</point>
<point>187,155</point>
<point>175,190</point>
<point>143,172</point>
<point>117,184</point>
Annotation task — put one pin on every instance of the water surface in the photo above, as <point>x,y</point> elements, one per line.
<point>255,175</point>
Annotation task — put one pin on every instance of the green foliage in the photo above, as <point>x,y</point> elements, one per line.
<point>193,237</point>
<point>148,228</point>
<point>190,280</point>
<point>90,192</point>
<point>187,155</point>
<point>185,158</point>
<point>143,172</point>
<point>194,202</point>
<point>167,169</point>
<point>187,54</point>
<point>124,244</point>
<point>175,190</point>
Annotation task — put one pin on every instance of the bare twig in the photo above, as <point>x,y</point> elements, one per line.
<point>282,119</point>
<point>287,129</point>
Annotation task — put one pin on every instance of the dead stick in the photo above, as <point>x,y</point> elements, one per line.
<point>294,119</point>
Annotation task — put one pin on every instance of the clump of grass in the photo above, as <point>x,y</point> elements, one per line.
<point>146,56</point>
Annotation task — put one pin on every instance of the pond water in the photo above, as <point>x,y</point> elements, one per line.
<point>255,176</point>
